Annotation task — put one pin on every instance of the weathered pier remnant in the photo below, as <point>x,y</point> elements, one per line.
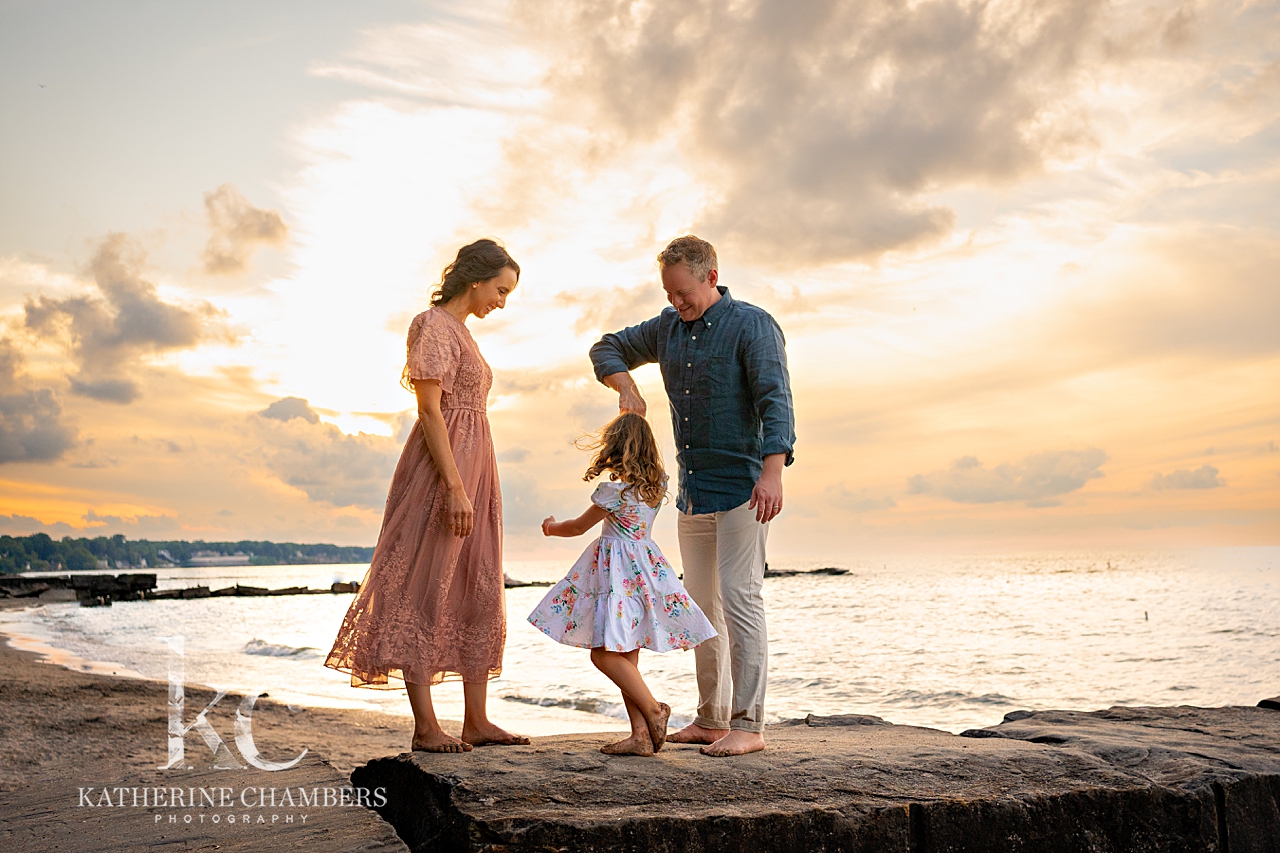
<point>1128,780</point>
<point>90,590</point>
<point>101,590</point>
<point>791,573</point>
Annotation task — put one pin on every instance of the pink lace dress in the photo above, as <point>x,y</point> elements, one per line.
<point>432,606</point>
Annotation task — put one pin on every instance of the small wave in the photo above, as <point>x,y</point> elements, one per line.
<point>581,703</point>
<point>947,699</point>
<point>272,650</point>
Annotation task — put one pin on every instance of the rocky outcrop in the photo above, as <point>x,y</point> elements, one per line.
<point>90,590</point>
<point>1131,780</point>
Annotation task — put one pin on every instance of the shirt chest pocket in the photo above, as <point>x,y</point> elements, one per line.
<point>728,402</point>
<point>720,378</point>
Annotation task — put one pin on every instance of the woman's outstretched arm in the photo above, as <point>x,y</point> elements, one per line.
<point>574,526</point>
<point>462,516</point>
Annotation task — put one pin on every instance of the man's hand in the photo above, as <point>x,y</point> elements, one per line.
<point>629,397</point>
<point>766,497</point>
<point>548,525</point>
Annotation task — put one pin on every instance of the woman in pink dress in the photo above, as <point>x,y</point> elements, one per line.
<point>432,607</point>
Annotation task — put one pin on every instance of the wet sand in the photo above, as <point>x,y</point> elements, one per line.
<point>62,731</point>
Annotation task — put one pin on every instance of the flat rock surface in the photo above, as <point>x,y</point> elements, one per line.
<point>1167,779</point>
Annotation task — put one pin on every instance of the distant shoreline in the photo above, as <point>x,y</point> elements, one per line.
<point>41,553</point>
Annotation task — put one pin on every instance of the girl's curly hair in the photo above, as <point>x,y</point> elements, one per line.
<point>627,450</point>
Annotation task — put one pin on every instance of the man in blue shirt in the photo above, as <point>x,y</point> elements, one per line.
<point>725,370</point>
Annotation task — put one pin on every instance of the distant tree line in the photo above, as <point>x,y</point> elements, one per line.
<point>43,553</point>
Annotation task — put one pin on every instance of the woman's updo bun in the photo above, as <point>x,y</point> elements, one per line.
<point>478,261</point>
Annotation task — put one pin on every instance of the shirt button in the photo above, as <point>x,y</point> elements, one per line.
<point>690,364</point>
<point>686,390</point>
<point>686,419</point>
<point>695,337</point>
<point>686,447</point>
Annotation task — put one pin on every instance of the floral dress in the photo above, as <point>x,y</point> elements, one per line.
<point>622,594</point>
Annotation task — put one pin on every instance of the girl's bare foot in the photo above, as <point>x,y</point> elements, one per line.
<point>658,725</point>
<point>634,745</point>
<point>487,734</point>
<point>438,741</point>
<point>694,733</point>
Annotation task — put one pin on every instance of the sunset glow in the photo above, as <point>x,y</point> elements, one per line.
<point>1025,256</point>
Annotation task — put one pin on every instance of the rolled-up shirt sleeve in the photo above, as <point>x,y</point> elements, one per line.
<point>619,352</point>
<point>765,361</point>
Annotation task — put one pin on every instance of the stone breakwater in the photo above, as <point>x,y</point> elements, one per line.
<point>1129,780</point>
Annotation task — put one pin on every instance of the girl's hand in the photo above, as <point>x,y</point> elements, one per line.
<point>462,517</point>
<point>546,525</point>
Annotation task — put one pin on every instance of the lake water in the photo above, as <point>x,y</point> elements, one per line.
<point>950,643</point>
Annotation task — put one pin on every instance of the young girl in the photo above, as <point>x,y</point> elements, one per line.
<point>622,595</point>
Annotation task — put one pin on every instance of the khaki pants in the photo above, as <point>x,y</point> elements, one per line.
<point>723,556</point>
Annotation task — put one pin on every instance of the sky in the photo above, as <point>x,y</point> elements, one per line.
<point>1025,256</point>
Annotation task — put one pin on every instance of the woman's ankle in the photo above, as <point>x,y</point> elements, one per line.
<point>471,722</point>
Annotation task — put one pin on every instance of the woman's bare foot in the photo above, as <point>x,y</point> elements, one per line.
<point>694,733</point>
<point>736,742</point>
<point>438,741</point>
<point>637,744</point>
<point>487,734</point>
<point>658,725</point>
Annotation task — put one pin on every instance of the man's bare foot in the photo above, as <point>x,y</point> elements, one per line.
<point>438,742</point>
<point>694,733</point>
<point>637,744</point>
<point>658,725</point>
<point>736,742</point>
<point>488,734</point>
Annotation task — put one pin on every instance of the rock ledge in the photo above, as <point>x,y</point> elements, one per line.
<point>1129,780</point>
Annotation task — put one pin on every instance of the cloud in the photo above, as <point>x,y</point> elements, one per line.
<point>323,461</point>
<point>1207,291</point>
<point>524,503</point>
<point>31,427</point>
<point>514,455</point>
<point>614,309</point>
<point>820,127</point>
<point>289,408</point>
<point>25,525</point>
<point>843,497</point>
<point>106,333</point>
<point>136,527</point>
<point>1038,479</point>
<point>1204,477</point>
<point>236,228</point>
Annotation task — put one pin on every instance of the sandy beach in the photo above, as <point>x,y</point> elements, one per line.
<point>64,731</point>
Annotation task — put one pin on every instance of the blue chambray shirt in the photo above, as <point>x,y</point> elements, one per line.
<point>726,377</point>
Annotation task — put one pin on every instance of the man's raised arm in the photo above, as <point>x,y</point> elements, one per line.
<point>618,353</point>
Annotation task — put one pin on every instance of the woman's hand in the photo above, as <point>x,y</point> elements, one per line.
<point>547,525</point>
<point>462,517</point>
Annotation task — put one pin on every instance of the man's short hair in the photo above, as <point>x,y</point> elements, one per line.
<point>698,254</point>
